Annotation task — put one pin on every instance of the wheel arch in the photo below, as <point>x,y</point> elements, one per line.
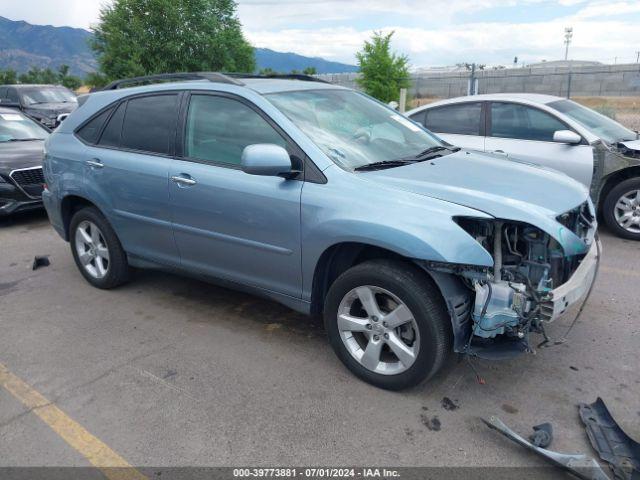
<point>614,179</point>
<point>69,205</point>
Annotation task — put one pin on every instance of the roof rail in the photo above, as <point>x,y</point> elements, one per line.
<point>186,76</point>
<point>284,76</point>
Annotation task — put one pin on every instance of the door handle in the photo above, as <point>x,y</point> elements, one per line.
<point>95,163</point>
<point>500,152</point>
<point>183,180</point>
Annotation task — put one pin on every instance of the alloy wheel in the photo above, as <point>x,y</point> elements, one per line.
<point>92,249</point>
<point>627,211</point>
<point>378,330</point>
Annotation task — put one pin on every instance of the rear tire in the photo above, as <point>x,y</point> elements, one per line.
<point>621,209</point>
<point>424,327</point>
<point>97,250</point>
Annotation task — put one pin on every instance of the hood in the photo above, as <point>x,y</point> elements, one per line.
<point>504,189</point>
<point>51,109</point>
<point>15,155</point>
<point>632,145</point>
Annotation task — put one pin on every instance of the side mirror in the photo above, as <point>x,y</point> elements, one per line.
<point>566,136</point>
<point>9,103</point>
<point>265,159</point>
<point>61,118</point>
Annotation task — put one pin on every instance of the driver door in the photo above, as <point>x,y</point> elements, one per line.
<point>229,224</point>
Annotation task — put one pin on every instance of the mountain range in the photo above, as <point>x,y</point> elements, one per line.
<point>23,46</point>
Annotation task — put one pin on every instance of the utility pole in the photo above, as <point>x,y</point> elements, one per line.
<point>568,35</point>
<point>638,56</point>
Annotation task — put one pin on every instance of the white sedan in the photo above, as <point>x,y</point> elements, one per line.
<point>553,132</point>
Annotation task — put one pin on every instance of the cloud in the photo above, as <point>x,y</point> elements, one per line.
<point>492,43</point>
<point>75,13</point>
<point>429,31</point>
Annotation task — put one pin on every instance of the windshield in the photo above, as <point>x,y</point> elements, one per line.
<point>352,129</point>
<point>33,96</point>
<point>608,130</point>
<point>16,127</point>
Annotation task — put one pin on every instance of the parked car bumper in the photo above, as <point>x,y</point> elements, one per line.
<point>55,217</point>
<point>13,200</point>
<point>577,288</point>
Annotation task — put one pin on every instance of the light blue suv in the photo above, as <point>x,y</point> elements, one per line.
<point>327,201</point>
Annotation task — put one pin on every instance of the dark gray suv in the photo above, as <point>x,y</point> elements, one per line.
<point>48,104</point>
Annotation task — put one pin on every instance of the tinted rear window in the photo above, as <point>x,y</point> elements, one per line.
<point>462,119</point>
<point>149,123</point>
<point>111,134</point>
<point>91,130</point>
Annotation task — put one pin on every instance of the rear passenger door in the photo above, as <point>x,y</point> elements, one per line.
<point>460,124</point>
<point>127,170</point>
<point>229,224</point>
<point>526,133</point>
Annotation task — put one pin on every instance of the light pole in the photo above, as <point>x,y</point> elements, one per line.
<point>568,34</point>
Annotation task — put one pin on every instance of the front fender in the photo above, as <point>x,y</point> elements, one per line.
<point>414,226</point>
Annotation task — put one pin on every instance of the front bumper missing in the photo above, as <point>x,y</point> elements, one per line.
<point>577,288</point>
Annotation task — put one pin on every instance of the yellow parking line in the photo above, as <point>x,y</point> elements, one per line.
<point>95,451</point>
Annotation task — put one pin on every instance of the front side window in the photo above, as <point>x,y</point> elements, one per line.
<point>219,128</point>
<point>12,95</point>
<point>352,129</point>
<point>36,96</point>
<point>15,127</point>
<point>460,119</point>
<point>511,120</point>
<point>149,123</point>
<point>605,128</point>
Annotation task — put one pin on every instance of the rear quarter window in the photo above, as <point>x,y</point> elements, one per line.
<point>90,132</point>
<point>111,134</point>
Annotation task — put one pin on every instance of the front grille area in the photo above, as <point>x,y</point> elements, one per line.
<point>31,176</point>
<point>30,181</point>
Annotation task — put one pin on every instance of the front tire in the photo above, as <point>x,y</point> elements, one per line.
<point>621,209</point>
<point>97,250</point>
<point>387,323</point>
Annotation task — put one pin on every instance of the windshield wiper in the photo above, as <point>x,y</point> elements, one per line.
<point>430,153</point>
<point>23,139</point>
<point>383,164</point>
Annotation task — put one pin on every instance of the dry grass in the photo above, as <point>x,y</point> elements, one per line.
<point>625,110</point>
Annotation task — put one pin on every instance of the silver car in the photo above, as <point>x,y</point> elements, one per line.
<point>553,132</point>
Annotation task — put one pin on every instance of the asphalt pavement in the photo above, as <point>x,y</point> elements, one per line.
<point>168,371</point>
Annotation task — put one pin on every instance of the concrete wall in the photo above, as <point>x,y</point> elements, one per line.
<point>598,80</point>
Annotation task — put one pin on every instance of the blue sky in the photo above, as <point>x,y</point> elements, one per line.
<point>430,32</point>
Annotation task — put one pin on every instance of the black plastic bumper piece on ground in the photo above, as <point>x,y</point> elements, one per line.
<point>583,467</point>
<point>614,446</point>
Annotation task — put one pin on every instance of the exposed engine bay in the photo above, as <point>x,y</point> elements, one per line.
<point>515,297</point>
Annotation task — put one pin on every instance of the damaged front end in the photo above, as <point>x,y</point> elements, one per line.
<point>536,278</point>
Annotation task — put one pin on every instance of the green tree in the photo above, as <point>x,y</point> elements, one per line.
<point>8,77</point>
<point>95,80</point>
<point>38,75</point>
<point>382,72</point>
<point>267,71</point>
<point>69,81</point>
<point>310,71</point>
<point>142,37</point>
